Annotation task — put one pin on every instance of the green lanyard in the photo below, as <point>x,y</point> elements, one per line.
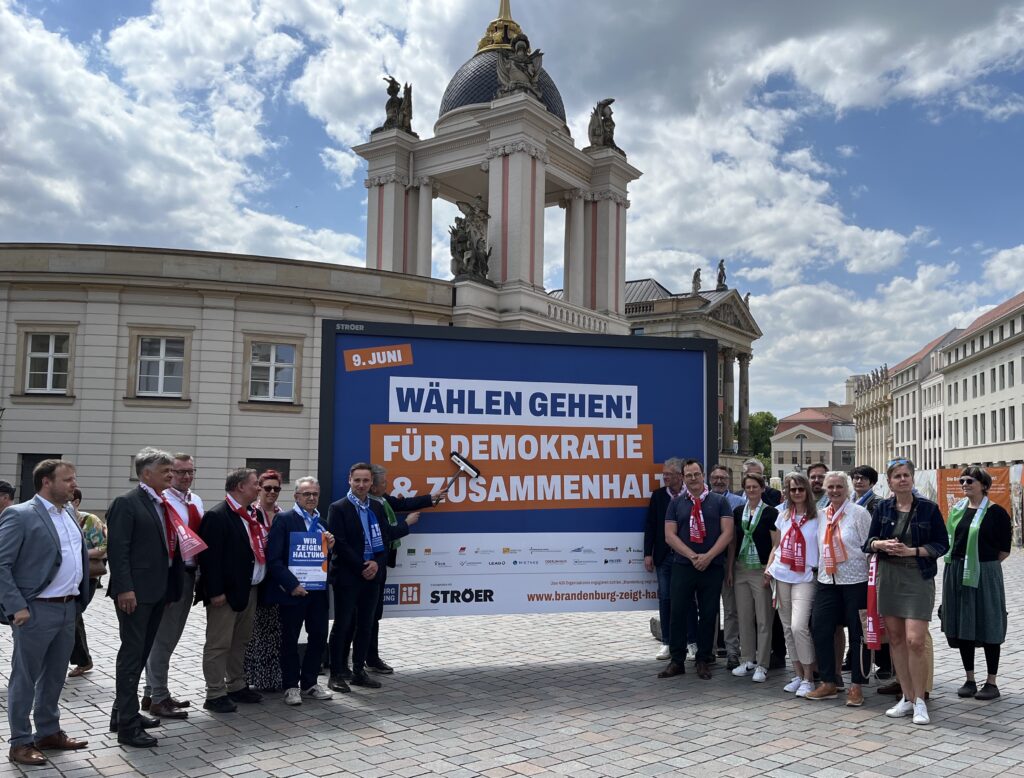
<point>972,564</point>
<point>749,557</point>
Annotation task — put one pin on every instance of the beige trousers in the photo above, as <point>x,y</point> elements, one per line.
<point>754,613</point>
<point>795,602</point>
<point>227,635</point>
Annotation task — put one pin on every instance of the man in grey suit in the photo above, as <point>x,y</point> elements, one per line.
<point>44,580</point>
<point>145,575</point>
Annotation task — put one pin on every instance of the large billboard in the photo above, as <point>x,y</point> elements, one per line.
<point>569,433</point>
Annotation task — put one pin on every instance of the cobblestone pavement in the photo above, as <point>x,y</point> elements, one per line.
<point>572,694</point>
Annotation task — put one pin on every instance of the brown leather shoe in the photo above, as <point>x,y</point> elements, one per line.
<point>79,670</point>
<point>165,710</point>
<point>854,697</point>
<point>827,691</point>
<point>890,688</point>
<point>673,670</point>
<point>146,702</point>
<point>26,754</point>
<point>178,703</point>
<point>60,741</point>
<point>703,671</point>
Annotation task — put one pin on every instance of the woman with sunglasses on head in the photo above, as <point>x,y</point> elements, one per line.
<point>973,610</point>
<point>262,655</point>
<point>908,534</point>
<point>791,564</point>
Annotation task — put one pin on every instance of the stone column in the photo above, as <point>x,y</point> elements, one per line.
<point>572,272</point>
<point>515,232</point>
<point>388,233</point>
<point>728,396</point>
<point>745,403</point>
<point>424,228</point>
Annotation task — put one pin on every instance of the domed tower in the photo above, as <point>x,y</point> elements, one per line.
<point>502,151</point>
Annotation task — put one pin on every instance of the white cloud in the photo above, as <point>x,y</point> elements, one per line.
<point>846,151</point>
<point>1005,269</point>
<point>343,163</point>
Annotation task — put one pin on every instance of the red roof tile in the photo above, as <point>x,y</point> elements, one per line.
<point>996,313</point>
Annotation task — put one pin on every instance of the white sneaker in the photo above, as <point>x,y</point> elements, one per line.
<point>664,653</point>
<point>760,674</point>
<point>793,685</point>
<point>318,692</point>
<point>806,687</point>
<point>742,669</point>
<point>921,712</point>
<point>292,696</point>
<point>902,708</point>
<point>691,652</point>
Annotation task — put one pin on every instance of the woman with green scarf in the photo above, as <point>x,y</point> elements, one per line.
<point>973,611</point>
<point>751,545</point>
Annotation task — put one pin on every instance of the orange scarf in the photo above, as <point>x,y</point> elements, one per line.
<point>834,551</point>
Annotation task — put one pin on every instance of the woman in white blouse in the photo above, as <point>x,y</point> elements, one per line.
<point>791,564</point>
<point>842,590</point>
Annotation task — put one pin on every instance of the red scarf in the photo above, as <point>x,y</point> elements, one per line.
<point>834,550</point>
<point>194,517</point>
<point>172,535</point>
<point>874,631</point>
<point>697,531</point>
<point>257,538</point>
<point>794,548</point>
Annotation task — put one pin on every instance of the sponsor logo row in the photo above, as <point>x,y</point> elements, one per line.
<point>510,551</point>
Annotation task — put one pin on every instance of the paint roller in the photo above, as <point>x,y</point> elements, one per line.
<point>464,466</point>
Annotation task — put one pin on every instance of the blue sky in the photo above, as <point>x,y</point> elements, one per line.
<point>857,165</point>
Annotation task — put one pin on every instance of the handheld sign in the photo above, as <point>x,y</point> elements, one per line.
<point>307,559</point>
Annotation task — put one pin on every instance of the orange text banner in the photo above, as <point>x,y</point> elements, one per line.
<point>949,491</point>
<point>398,355</point>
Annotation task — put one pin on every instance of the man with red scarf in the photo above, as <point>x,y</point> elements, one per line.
<point>230,571</point>
<point>699,528</point>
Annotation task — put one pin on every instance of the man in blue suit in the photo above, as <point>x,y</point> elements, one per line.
<point>299,606</point>
<point>44,580</point>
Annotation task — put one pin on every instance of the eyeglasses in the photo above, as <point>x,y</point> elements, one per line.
<point>184,472</point>
<point>965,481</point>
<point>797,489</point>
<point>271,488</point>
<point>307,494</point>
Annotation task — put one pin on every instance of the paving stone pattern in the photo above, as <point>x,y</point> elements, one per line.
<point>571,694</point>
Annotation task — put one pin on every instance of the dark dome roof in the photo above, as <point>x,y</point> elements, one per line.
<point>477,82</point>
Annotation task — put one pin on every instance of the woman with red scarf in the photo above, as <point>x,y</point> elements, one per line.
<point>791,565</point>
<point>262,655</point>
<point>842,590</point>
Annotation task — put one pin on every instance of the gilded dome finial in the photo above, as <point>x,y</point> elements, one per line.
<point>501,31</point>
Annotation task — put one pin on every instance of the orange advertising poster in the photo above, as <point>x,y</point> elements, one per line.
<point>565,467</point>
<point>950,493</point>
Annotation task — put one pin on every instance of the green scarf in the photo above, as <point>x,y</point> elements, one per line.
<point>972,566</point>
<point>749,557</point>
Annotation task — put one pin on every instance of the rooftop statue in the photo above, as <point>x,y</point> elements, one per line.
<point>696,281</point>
<point>470,255</point>
<point>721,276</point>
<point>601,130</point>
<point>398,110</point>
<point>519,69</point>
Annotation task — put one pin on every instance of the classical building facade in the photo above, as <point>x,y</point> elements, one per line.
<point>106,349</point>
<point>872,418</point>
<point>822,435</point>
<point>982,370</point>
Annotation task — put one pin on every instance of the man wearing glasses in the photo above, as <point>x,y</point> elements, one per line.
<point>156,698</point>
<point>299,606</point>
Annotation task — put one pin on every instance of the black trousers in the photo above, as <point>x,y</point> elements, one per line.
<point>80,655</point>
<point>373,649</point>
<point>137,630</point>
<point>837,605</point>
<point>706,585</point>
<point>355,607</point>
<point>310,610</point>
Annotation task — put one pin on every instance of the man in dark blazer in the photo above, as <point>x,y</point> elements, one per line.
<point>298,606</point>
<point>231,569</point>
<point>145,574</point>
<point>362,535</point>
<point>393,506</point>
<point>657,554</point>
<point>44,581</point>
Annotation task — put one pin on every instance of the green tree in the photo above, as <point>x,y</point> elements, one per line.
<point>762,427</point>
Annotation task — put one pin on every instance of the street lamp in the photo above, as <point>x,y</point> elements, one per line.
<point>801,437</point>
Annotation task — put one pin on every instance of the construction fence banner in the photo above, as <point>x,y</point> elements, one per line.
<point>569,433</point>
<point>950,493</point>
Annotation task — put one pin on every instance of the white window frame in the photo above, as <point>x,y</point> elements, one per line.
<point>25,331</point>
<point>273,366</point>
<point>135,336</point>
<point>51,355</point>
<point>247,401</point>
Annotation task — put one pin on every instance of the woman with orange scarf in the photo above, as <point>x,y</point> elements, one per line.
<point>842,589</point>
